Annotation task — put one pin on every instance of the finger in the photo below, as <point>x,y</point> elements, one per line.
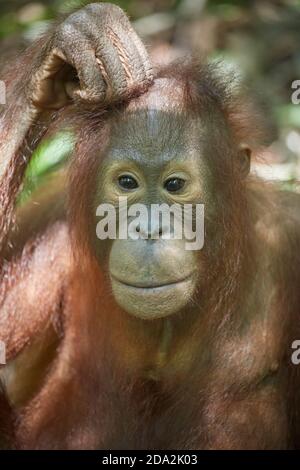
<point>139,66</point>
<point>143,54</point>
<point>113,71</point>
<point>130,37</point>
<point>80,54</point>
<point>93,87</point>
<point>108,58</point>
<point>128,55</point>
<point>127,52</point>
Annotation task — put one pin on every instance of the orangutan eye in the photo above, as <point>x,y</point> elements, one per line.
<point>172,185</point>
<point>127,182</point>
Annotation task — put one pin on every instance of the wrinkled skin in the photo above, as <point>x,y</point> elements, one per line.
<point>100,44</point>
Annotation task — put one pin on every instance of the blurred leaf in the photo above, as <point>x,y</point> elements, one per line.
<point>288,115</point>
<point>291,185</point>
<point>225,10</point>
<point>8,24</point>
<point>50,155</point>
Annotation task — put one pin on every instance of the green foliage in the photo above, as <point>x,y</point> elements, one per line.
<point>289,115</point>
<point>49,156</point>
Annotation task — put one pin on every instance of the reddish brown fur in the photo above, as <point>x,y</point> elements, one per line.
<point>98,390</point>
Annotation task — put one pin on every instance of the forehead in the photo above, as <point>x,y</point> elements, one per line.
<point>156,127</point>
<point>154,132</point>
